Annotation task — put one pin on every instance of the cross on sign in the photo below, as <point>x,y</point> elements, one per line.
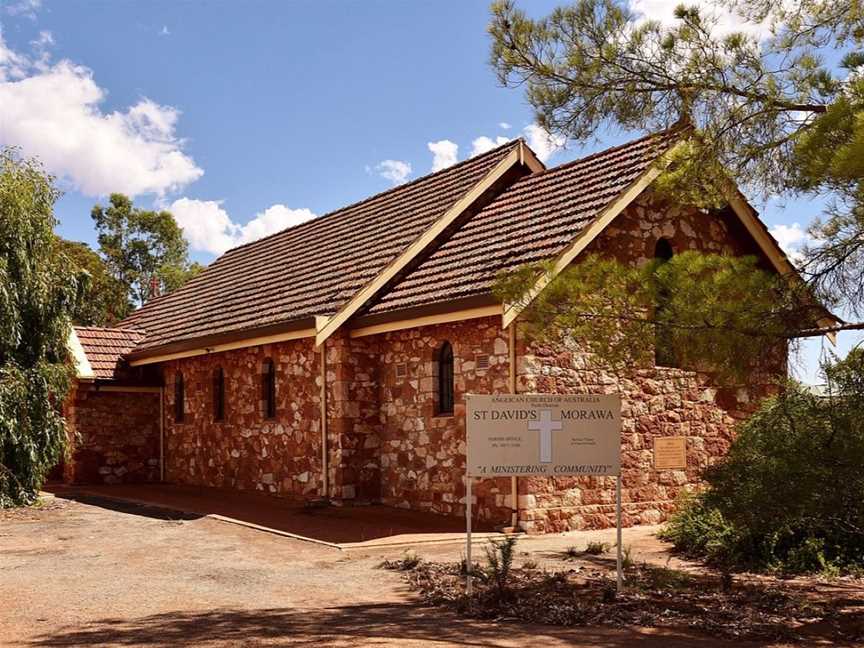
<point>546,426</point>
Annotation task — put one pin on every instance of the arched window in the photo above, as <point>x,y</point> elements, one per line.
<point>445,379</point>
<point>268,388</point>
<point>663,250</point>
<point>664,352</point>
<point>179,398</point>
<point>218,394</point>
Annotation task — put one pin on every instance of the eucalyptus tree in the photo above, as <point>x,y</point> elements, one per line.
<point>39,290</point>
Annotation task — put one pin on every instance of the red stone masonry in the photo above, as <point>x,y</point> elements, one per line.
<point>246,450</point>
<point>114,436</point>
<point>423,453</point>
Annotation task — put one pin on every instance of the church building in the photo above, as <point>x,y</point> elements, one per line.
<point>330,361</point>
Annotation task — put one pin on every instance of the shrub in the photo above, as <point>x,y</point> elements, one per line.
<point>410,560</point>
<point>596,548</point>
<point>571,553</point>
<point>499,556</point>
<point>627,558</point>
<point>790,493</point>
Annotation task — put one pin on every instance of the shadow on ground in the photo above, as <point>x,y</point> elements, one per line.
<point>333,524</point>
<point>133,508</point>
<point>360,625</point>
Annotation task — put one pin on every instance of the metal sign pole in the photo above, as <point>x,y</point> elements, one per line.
<point>468,563</point>
<point>619,560</point>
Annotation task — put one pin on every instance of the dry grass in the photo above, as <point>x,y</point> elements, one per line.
<point>653,597</point>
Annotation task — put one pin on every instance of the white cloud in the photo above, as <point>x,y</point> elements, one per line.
<point>52,111</point>
<point>444,154</point>
<point>483,144</point>
<point>543,143</point>
<point>44,40</point>
<point>209,228</point>
<point>727,21</point>
<point>12,64</point>
<point>24,8</point>
<point>791,238</point>
<point>504,126</point>
<point>396,171</point>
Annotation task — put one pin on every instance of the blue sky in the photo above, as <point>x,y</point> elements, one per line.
<point>246,117</point>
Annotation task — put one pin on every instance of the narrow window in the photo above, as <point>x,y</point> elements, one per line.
<point>268,388</point>
<point>401,370</point>
<point>179,398</point>
<point>445,379</point>
<point>663,250</point>
<point>481,361</point>
<point>218,394</point>
<point>664,353</point>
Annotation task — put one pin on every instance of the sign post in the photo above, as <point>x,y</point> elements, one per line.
<point>619,558</point>
<point>543,435</point>
<point>468,565</point>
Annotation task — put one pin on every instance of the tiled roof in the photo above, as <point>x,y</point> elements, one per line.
<point>532,220</point>
<point>104,348</point>
<point>310,269</point>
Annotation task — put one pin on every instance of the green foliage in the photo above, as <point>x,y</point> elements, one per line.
<point>771,116</point>
<point>700,531</point>
<point>830,159</point>
<point>627,561</point>
<point>591,65</point>
<point>141,246</point>
<point>106,300</point>
<point>595,548</point>
<point>716,313</point>
<point>499,558</point>
<point>39,289</point>
<point>790,493</point>
<point>571,553</point>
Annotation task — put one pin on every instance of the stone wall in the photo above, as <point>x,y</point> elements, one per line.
<point>246,450</point>
<point>422,453</point>
<point>656,401</point>
<point>633,235</point>
<point>114,436</point>
<point>353,418</point>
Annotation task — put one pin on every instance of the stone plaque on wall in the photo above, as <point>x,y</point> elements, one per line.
<point>670,453</point>
<point>543,434</point>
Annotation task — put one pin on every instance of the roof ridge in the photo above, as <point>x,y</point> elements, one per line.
<point>79,327</point>
<point>231,253</point>
<point>357,203</point>
<point>606,151</point>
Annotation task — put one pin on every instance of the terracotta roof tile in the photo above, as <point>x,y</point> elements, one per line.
<point>105,347</point>
<point>310,269</point>
<point>532,220</point>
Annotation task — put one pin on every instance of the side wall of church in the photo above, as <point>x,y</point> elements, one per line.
<point>656,401</point>
<point>114,436</point>
<point>422,452</point>
<point>246,450</point>
<point>423,455</point>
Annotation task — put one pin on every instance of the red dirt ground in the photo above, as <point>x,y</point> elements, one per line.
<point>74,574</point>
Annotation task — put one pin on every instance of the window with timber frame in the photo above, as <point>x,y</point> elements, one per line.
<point>268,389</point>
<point>444,366</point>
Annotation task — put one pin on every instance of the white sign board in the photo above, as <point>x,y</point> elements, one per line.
<point>543,434</point>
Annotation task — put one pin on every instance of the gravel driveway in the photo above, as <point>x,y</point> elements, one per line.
<point>75,574</point>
